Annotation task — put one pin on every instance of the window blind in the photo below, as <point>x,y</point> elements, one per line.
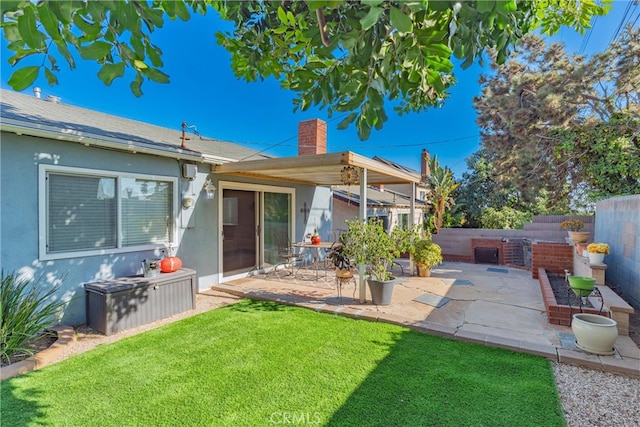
<point>81,214</point>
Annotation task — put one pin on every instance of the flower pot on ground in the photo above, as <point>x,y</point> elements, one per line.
<point>597,251</point>
<point>594,333</point>
<point>426,255</point>
<point>381,290</point>
<point>582,286</point>
<point>368,243</point>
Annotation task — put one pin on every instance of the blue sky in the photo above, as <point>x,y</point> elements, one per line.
<point>204,93</point>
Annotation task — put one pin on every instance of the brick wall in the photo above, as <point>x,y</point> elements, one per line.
<point>512,252</point>
<point>558,314</point>
<point>555,257</point>
<point>458,258</point>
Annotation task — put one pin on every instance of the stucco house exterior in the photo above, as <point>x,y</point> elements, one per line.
<point>87,196</point>
<point>391,207</point>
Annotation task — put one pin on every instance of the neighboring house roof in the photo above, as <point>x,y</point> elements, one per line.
<point>41,117</point>
<point>396,165</point>
<point>377,198</point>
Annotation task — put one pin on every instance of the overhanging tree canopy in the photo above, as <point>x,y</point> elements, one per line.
<point>550,121</point>
<point>347,57</point>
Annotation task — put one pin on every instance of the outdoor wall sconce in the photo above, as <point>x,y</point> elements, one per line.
<point>210,189</point>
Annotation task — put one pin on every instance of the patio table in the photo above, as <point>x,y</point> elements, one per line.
<point>316,254</point>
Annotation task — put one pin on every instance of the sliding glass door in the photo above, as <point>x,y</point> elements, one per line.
<point>239,231</point>
<point>277,225</point>
<point>252,216</point>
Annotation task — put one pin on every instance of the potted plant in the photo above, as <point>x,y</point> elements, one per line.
<point>315,237</point>
<point>426,255</point>
<point>340,260</point>
<point>368,243</point>
<point>597,251</point>
<point>573,226</point>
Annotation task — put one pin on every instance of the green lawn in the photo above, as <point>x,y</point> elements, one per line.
<point>260,363</point>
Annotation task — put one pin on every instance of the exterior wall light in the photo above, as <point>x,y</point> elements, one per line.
<point>210,189</point>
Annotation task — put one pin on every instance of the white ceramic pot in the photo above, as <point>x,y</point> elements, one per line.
<point>596,258</point>
<point>594,333</point>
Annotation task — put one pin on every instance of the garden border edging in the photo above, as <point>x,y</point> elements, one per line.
<point>66,337</point>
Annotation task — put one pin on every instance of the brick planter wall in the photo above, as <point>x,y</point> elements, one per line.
<point>555,257</point>
<point>458,258</point>
<point>558,314</point>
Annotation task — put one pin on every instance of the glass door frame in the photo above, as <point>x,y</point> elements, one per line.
<point>259,190</point>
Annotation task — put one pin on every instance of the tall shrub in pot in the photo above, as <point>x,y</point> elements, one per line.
<point>368,243</point>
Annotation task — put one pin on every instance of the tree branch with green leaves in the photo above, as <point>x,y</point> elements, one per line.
<point>355,57</point>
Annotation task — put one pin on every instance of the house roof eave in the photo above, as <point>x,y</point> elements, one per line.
<point>45,131</point>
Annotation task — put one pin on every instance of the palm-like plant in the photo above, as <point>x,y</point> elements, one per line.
<point>26,311</point>
<point>441,184</point>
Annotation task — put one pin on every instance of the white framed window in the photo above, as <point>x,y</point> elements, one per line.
<point>403,221</point>
<point>89,212</point>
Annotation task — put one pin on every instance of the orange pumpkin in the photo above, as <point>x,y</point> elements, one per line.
<point>170,264</point>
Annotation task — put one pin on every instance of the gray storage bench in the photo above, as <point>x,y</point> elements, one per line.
<point>124,303</point>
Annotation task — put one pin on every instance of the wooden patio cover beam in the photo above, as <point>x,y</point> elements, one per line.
<point>319,169</point>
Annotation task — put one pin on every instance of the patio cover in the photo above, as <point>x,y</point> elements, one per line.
<point>325,170</point>
<point>318,169</point>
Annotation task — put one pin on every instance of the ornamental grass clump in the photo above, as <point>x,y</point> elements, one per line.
<point>572,225</point>
<point>598,248</point>
<point>26,312</point>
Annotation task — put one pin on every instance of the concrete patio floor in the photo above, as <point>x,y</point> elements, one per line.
<point>490,305</point>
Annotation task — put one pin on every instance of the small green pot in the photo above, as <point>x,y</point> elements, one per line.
<point>581,285</point>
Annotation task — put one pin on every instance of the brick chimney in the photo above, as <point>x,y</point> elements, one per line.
<point>312,137</point>
<point>425,157</point>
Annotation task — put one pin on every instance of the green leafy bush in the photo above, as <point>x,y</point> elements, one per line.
<point>368,242</point>
<point>505,218</point>
<point>26,312</point>
<point>426,252</point>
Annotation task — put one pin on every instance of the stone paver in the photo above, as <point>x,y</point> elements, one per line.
<point>489,308</point>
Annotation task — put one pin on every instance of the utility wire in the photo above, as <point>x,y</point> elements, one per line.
<point>194,130</point>
<point>585,40</point>
<point>622,23</point>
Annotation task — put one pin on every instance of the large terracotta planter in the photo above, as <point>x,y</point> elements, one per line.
<point>582,285</point>
<point>579,236</point>
<point>594,333</point>
<point>423,270</point>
